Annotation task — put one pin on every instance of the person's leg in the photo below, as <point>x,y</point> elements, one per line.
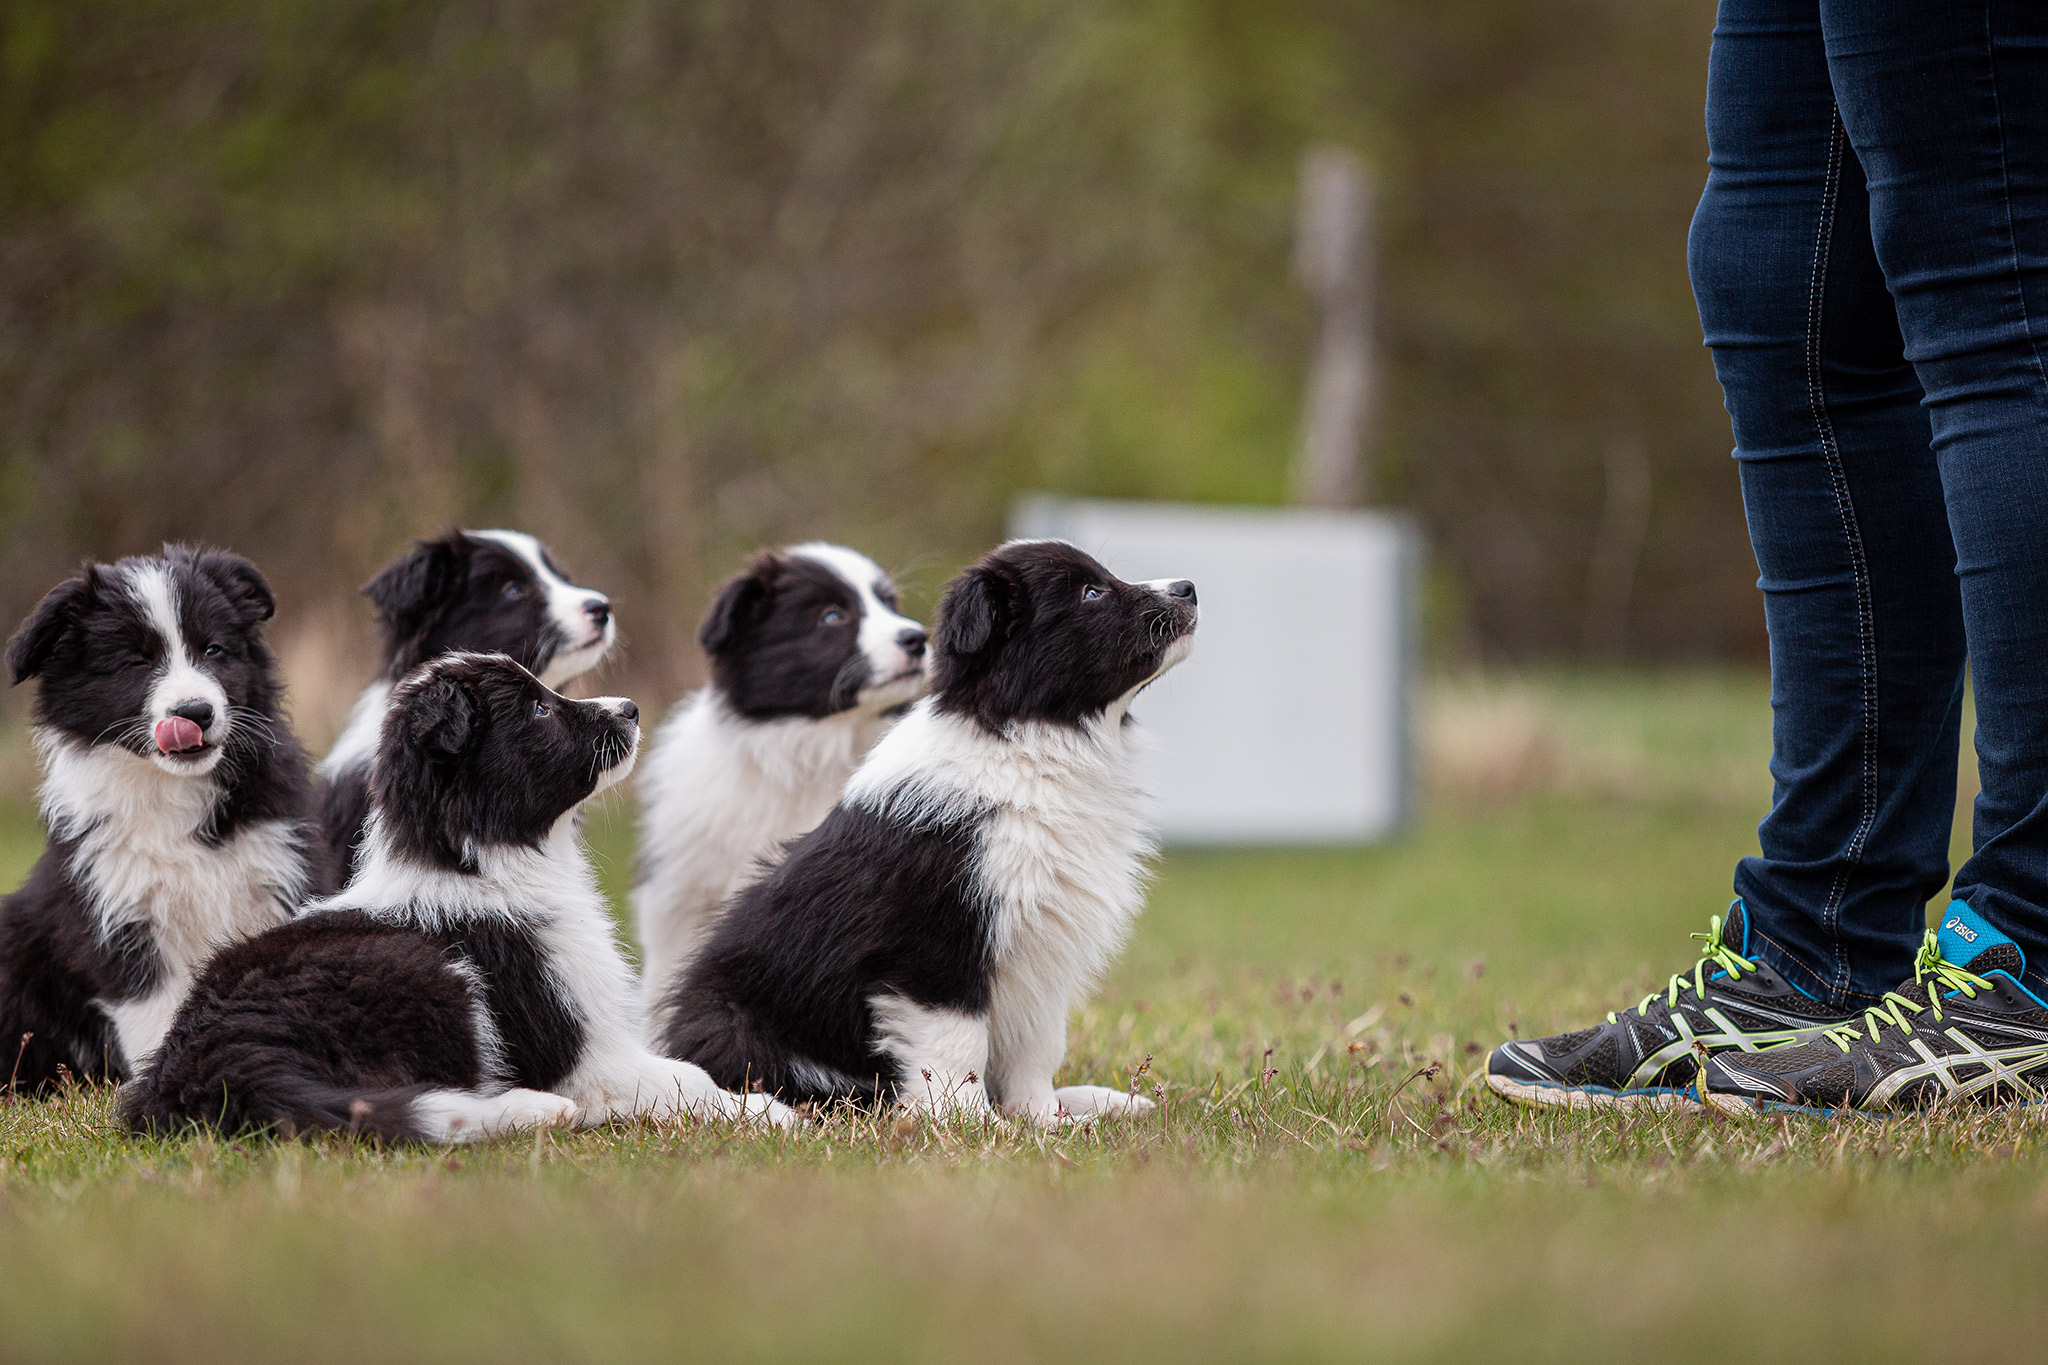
<point>1845,514</point>
<point>1866,641</point>
<point>1946,105</point>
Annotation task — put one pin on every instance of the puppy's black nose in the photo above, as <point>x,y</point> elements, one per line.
<point>912,640</point>
<point>200,713</point>
<point>630,710</point>
<point>1181,588</point>
<point>598,610</point>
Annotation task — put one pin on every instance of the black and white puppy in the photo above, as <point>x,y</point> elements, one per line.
<point>177,803</point>
<point>491,592</point>
<point>468,981</point>
<point>811,656</point>
<point>929,938</point>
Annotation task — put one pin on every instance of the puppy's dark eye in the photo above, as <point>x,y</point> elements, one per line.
<point>541,710</point>
<point>833,617</point>
<point>1090,593</point>
<point>513,592</point>
<point>213,651</point>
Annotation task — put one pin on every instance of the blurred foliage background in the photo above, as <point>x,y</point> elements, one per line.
<point>663,282</point>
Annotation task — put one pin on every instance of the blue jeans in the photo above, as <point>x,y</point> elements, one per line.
<point>1870,261</point>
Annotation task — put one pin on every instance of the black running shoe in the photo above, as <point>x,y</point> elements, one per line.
<point>1962,1031</point>
<point>1649,1054</point>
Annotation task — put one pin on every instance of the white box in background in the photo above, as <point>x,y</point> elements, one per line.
<point>1290,723</point>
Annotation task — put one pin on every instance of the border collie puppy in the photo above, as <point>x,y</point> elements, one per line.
<point>810,657</point>
<point>927,940</point>
<point>469,981</point>
<point>492,592</point>
<point>176,799</point>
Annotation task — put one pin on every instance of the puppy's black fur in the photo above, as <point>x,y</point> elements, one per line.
<point>458,591</point>
<point>345,1019</point>
<point>99,654</point>
<point>887,897</point>
<point>773,648</point>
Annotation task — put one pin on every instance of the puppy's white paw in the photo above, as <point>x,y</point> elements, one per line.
<point>1043,1110</point>
<point>537,1109</point>
<point>768,1109</point>
<point>1100,1101</point>
<point>464,1116</point>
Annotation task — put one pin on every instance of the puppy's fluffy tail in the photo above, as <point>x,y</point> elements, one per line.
<point>282,1099</point>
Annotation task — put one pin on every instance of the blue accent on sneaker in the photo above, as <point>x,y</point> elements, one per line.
<point>1738,905</point>
<point>2008,976</point>
<point>1964,934</point>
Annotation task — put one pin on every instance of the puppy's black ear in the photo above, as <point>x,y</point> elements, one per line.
<point>30,648</point>
<point>975,616</point>
<point>243,583</point>
<point>743,603</point>
<point>415,584</point>
<point>443,717</point>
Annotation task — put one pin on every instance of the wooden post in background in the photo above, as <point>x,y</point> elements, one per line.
<point>1333,259</point>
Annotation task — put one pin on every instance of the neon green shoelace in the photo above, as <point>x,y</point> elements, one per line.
<point>1929,965</point>
<point>1717,954</point>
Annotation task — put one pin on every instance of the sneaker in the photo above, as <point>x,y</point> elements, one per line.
<point>1963,1030</point>
<point>1649,1054</point>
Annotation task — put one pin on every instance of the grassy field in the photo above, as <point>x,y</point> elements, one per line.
<point>1310,1190</point>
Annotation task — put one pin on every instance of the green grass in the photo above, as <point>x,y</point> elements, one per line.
<point>1304,1193</point>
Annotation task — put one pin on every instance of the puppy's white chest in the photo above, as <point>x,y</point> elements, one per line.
<point>1065,886</point>
<point>194,896</point>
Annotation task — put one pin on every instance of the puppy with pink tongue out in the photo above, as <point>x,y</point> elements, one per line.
<point>179,736</point>
<point>176,799</point>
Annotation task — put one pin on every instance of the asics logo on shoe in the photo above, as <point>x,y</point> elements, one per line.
<point>1948,1034</point>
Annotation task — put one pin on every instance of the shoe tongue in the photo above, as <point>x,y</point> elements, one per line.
<point>1968,941</point>
<point>1735,927</point>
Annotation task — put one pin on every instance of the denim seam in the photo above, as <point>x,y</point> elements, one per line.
<point>2012,232</point>
<point>1788,965</point>
<point>1866,641</point>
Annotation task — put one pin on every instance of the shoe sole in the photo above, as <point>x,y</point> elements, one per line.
<point>1742,1106</point>
<point>1590,1097</point>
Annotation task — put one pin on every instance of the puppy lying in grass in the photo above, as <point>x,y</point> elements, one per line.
<point>926,942</point>
<point>468,981</point>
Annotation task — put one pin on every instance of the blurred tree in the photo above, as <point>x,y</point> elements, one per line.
<point>664,281</point>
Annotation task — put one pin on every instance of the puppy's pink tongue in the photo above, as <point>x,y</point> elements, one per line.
<point>178,735</point>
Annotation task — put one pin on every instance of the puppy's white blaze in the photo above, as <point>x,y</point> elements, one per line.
<point>179,678</point>
<point>943,1053</point>
<point>138,860</point>
<point>582,643</point>
<point>881,627</point>
<point>456,1116</point>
